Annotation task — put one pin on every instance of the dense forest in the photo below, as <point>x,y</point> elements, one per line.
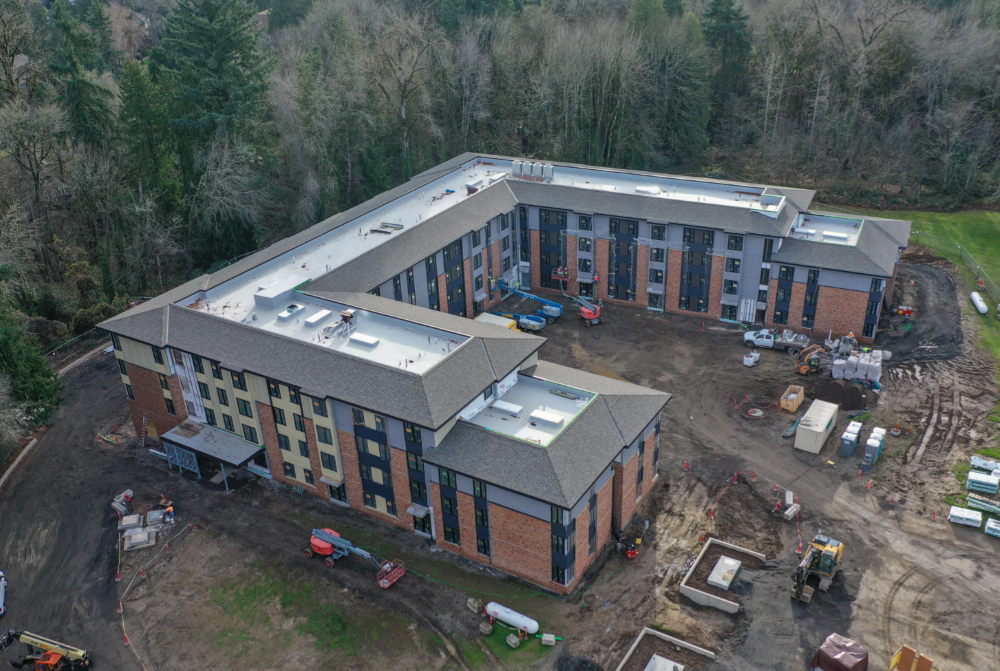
<point>144,142</point>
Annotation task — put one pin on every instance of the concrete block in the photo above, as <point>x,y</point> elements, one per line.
<point>513,641</point>
<point>137,539</point>
<point>485,628</point>
<point>475,605</point>
<point>548,639</point>
<point>130,522</point>
<point>789,498</point>
<point>791,511</point>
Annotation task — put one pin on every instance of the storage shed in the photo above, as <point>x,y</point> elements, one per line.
<point>816,426</point>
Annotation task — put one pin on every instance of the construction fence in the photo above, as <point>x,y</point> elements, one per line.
<point>951,247</point>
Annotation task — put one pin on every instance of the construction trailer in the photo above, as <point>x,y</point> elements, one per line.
<point>816,426</point>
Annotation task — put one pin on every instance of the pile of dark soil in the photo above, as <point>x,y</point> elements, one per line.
<point>743,517</point>
<point>652,645</point>
<point>699,576</point>
<point>849,395</point>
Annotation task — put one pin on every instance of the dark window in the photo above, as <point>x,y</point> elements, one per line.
<point>239,382</point>
<point>411,432</point>
<point>735,242</point>
<point>505,243</point>
<point>783,296</point>
<point>293,396</point>
<point>558,574</point>
<point>697,258</point>
<point>780,316</point>
<point>586,224</point>
<point>339,493</point>
<point>451,535</point>
<point>376,291</point>
<point>479,282</point>
<point>732,265</point>
<point>418,489</point>
<point>274,389</point>
<point>227,422</point>
<point>633,227</point>
<point>810,299</point>
<point>216,371</point>
<point>415,462</point>
<point>299,424</point>
<point>525,254</point>
<point>380,450</point>
<point>506,264</point>
<point>730,287</point>
<point>503,222</point>
<point>658,232</point>
<point>558,545</point>
<point>369,500</point>
<point>688,235</point>
<point>329,461</point>
<point>324,435</point>
<point>309,476</point>
<point>453,274</point>
<point>560,219</point>
<point>116,341</point>
<point>157,355</point>
<point>585,244</point>
<point>707,238</point>
<point>209,416</point>
<point>250,433</point>
<point>479,488</point>
<point>422,524</point>
<point>869,331</point>
<point>684,303</point>
<point>319,407</point>
<point>658,255</point>
<point>655,275</point>
<point>170,406</point>
<point>587,289</point>
<point>762,295</point>
<point>556,515</point>
<point>121,367</point>
<point>808,321</point>
<point>431,264</point>
<point>129,393</point>
<point>454,250</point>
<point>163,381</point>
<point>729,312</point>
<point>477,238</point>
<point>768,247</point>
<point>483,546</point>
<point>765,275</point>
<point>656,301</point>
<point>223,397</point>
<point>303,448</point>
<point>178,358</point>
<point>477,261</point>
<point>279,416</point>
<point>813,276</point>
<point>366,472</point>
<point>449,505</point>
<point>586,265</point>
<point>877,286</point>
<point>623,269</point>
<point>482,518</point>
<point>786,273</point>
<point>283,442</point>
<point>543,216</point>
<point>872,308</point>
<point>447,478</point>
<point>546,259</point>
<point>289,469</point>
<point>198,365</point>
<point>244,407</point>
<point>204,391</point>
<point>409,276</point>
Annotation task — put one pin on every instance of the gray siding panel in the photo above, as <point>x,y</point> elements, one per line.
<point>517,502</point>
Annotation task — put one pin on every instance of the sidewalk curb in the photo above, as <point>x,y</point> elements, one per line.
<point>24,453</point>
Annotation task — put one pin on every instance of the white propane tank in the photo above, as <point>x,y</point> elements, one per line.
<point>978,301</point>
<point>511,617</point>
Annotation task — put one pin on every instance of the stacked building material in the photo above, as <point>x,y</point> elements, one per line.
<point>875,367</point>
<point>970,518</point>
<point>839,364</point>
<point>983,503</point>
<point>861,371</point>
<point>983,464</point>
<point>993,527</point>
<point>980,482</point>
<point>851,367</point>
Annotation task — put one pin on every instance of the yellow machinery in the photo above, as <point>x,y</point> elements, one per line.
<point>56,656</point>
<point>906,659</point>
<point>809,360</point>
<point>822,559</point>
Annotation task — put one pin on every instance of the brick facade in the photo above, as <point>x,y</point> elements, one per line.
<point>625,485</point>
<point>796,304</point>
<point>151,403</point>
<point>522,545</point>
<point>572,267</point>
<point>400,477</point>
<point>469,298</point>
<point>601,250</point>
<point>467,529</point>
<point>315,465</point>
<point>275,457</point>
<point>642,276</point>
<point>772,293</point>
<point>672,296</point>
<point>494,271</point>
<point>442,294</point>
<point>715,287</point>
<point>841,311</point>
<point>535,243</point>
<point>352,470</point>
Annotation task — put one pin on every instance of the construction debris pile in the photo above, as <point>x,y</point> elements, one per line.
<point>140,529</point>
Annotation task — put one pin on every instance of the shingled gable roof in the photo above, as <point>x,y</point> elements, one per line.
<point>874,254</point>
<point>561,472</point>
<point>430,400</point>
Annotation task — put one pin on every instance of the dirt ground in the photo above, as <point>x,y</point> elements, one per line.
<point>236,592</point>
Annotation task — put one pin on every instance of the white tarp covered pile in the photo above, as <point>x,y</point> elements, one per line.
<point>875,366</point>
<point>851,368</point>
<point>861,373</point>
<point>839,365</point>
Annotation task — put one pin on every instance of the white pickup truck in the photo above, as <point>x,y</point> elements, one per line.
<point>773,339</point>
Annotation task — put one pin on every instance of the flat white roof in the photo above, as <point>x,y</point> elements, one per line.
<point>274,280</point>
<point>369,335</point>
<point>546,409</point>
<point>829,229</point>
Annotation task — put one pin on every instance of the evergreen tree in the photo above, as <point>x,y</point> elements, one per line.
<point>727,31</point>
<point>33,384</point>
<point>98,20</point>
<point>674,8</point>
<point>646,14</point>
<point>145,122</point>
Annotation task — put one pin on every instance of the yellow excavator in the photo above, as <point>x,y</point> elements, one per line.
<point>54,656</point>
<point>809,360</point>
<point>822,558</point>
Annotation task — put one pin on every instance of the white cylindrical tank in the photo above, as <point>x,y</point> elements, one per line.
<point>511,617</point>
<point>978,301</point>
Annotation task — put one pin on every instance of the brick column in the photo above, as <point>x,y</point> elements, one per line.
<point>467,274</point>
<point>605,510</point>
<point>151,403</point>
<point>642,276</point>
<point>319,489</point>
<point>275,457</point>
<point>796,304</point>
<point>522,545</point>
<point>442,294</point>
<point>772,294</point>
<point>572,284</point>
<point>434,494</point>
<point>625,479</point>
<point>401,487</point>
<point>493,297</point>
<point>672,297</point>
<point>536,259</point>
<point>467,528</point>
<point>715,287</point>
<point>352,470</point>
<point>601,251</point>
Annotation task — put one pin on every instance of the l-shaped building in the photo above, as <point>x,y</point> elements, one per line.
<point>339,360</point>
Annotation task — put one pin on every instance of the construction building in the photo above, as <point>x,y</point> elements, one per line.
<point>339,360</point>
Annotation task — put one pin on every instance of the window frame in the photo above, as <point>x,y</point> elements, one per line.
<point>328,461</point>
<point>415,462</point>
<point>324,435</point>
<point>735,243</point>
<point>244,408</point>
<point>658,232</point>
<point>585,223</point>
<point>157,355</point>
<point>252,438</point>
<point>447,477</point>
<point>274,389</point>
<point>170,406</point>
<point>210,417</point>
<point>239,381</point>
<point>411,433</point>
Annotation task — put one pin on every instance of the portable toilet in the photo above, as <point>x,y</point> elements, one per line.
<point>873,449</point>
<point>849,439</point>
<point>816,426</point>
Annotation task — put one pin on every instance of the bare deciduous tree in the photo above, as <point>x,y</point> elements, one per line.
<point>30,134</point>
